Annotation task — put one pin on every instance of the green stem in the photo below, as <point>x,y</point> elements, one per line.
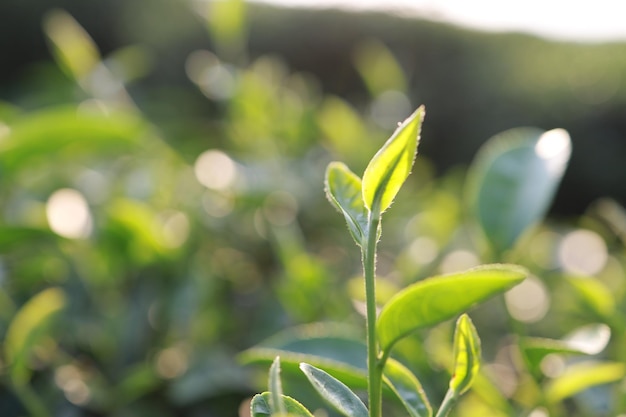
<point>374,368</point>
<point>447,403</point>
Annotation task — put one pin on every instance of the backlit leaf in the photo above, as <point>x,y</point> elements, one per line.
<point>392,164</point>
<point>466,355</point>
<point>343,189</point>
<point>440,298</point>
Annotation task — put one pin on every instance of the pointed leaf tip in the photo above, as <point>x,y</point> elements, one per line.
<point>392,164</point>
<point>277,404</point>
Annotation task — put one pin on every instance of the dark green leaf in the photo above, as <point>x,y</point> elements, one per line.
<point>392,164</point>
<point>437,299</point>
<point>513,179</point>
<point>335,392</point>
<point>338,349</point>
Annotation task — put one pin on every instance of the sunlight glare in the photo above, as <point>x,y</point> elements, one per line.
<point>555,147</point>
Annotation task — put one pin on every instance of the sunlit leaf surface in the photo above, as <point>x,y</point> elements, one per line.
<point>392,164</point>
<point>437,299</point>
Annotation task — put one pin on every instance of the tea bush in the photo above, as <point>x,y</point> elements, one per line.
<point>145,265</point>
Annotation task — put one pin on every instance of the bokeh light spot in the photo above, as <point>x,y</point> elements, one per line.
<point>423,250</point>
<point>539,412</point>
<point>171,362</point>
<point>175,229</point>
<point>529,301</point>
<point>70,379</point>
<point>553,365</point>
<point>583,252</point>
<point>458,260</point>
<point>280,208</point>
<point>218,204</point>
<point>5,131</point>
<point>215,170</point>
<point>68,214</point>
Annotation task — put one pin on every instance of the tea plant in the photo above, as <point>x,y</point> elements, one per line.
<point>423,304</point>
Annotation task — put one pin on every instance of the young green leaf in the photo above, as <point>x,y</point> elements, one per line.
<point>26,329</point>
<point>466,355</point>
<point>343,189</point>
<point>276,389</point>
<point>581,376</point>
<point>512,182</point>
<point>335,392</point>
<point>407,388</point>
<point>437,299</point>
<point>260,406</point>
<point>392,164</point>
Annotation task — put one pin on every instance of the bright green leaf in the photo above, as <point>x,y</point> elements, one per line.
<point>581,376</point>
<point>260,406</point>
<point>466,355</point>
<point>392,164</point>
<point>437,299</point>
<point>276,389</point>
<point>335,392</point>
<point>407,388</point>
<point>513,179</point>
<point>26,329</point>
<point>594,294</point>
<point>343,189</point>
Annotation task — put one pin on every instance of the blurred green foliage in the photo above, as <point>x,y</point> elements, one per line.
<point>148,234</point>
